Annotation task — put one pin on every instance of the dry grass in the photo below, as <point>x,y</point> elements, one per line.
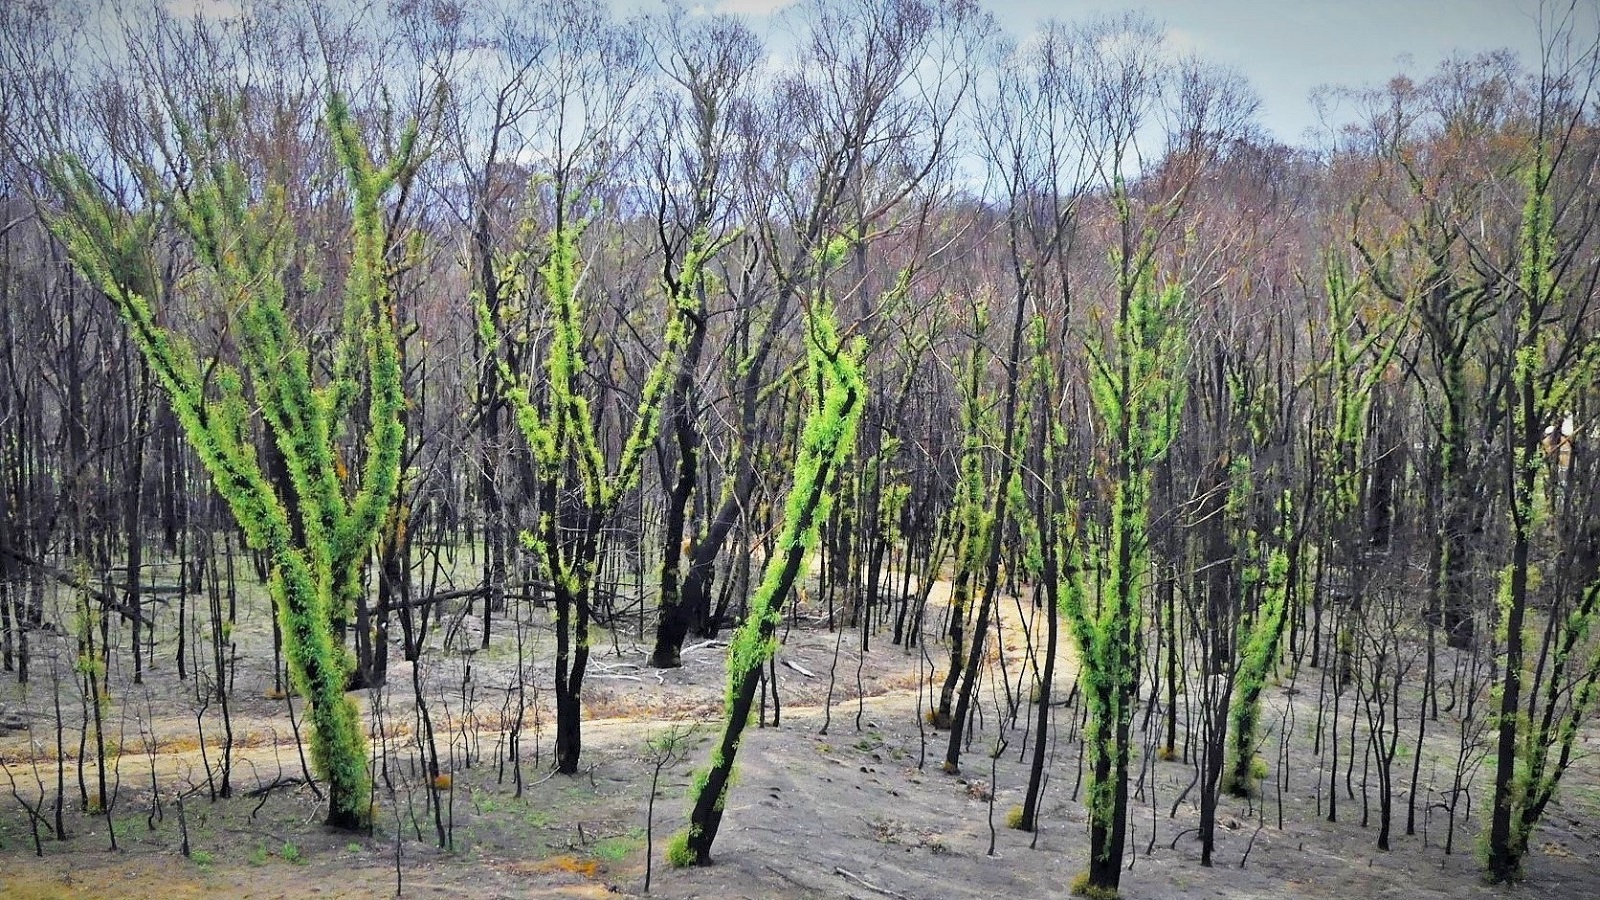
<point>581,866</point>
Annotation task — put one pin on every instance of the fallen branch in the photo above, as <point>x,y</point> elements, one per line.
<point>798,668</point>
<point>1250,846</point>
<point>429,600</point>
<point>286,781</point>
<point>851,876</point>
<point>554,772</point>
<point>81,585</point>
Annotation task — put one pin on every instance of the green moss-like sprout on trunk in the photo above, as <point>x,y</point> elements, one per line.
<point>1354,369</point>
<point>1260,652</point>
<point>1137,390</point>
<point>564,438</point>
<point>314,530</point>
<point>971,515</point>
<point>826,441</point>
<point>1564,684</point>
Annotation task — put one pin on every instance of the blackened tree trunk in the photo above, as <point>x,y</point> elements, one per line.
<point>828,437</point>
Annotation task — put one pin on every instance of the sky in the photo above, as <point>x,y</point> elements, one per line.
<point>1286,48</point>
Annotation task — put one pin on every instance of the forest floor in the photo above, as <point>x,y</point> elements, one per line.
<point>859,809</point>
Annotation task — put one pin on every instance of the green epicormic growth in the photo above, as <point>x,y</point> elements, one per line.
<point>971,516</point>
<point>1538,712</point>
<point>1137,389</point>
<point>1352,385</point>
<point>564,437</point>
<point>1354,370</point>
<point>827,438</point>
<point>315,524</point>
<point>1259,639</point>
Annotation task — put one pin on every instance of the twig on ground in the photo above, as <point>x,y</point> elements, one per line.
<point>798,668</point>
<point>851,876</point>
<point>285,781</point>
<point>1250,846</point>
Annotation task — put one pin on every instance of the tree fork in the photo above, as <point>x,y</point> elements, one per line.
<point>314,534</point>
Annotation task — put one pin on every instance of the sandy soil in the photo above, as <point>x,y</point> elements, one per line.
<point>861,811</point>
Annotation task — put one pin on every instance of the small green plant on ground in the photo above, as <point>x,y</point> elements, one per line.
<point>869,743</point>
<point>1014,818</point>
<point>1082,887</point>
<point>616,849</point>
<point>679,853</point>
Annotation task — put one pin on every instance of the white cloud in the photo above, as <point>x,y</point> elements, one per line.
<point>752,7</point>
